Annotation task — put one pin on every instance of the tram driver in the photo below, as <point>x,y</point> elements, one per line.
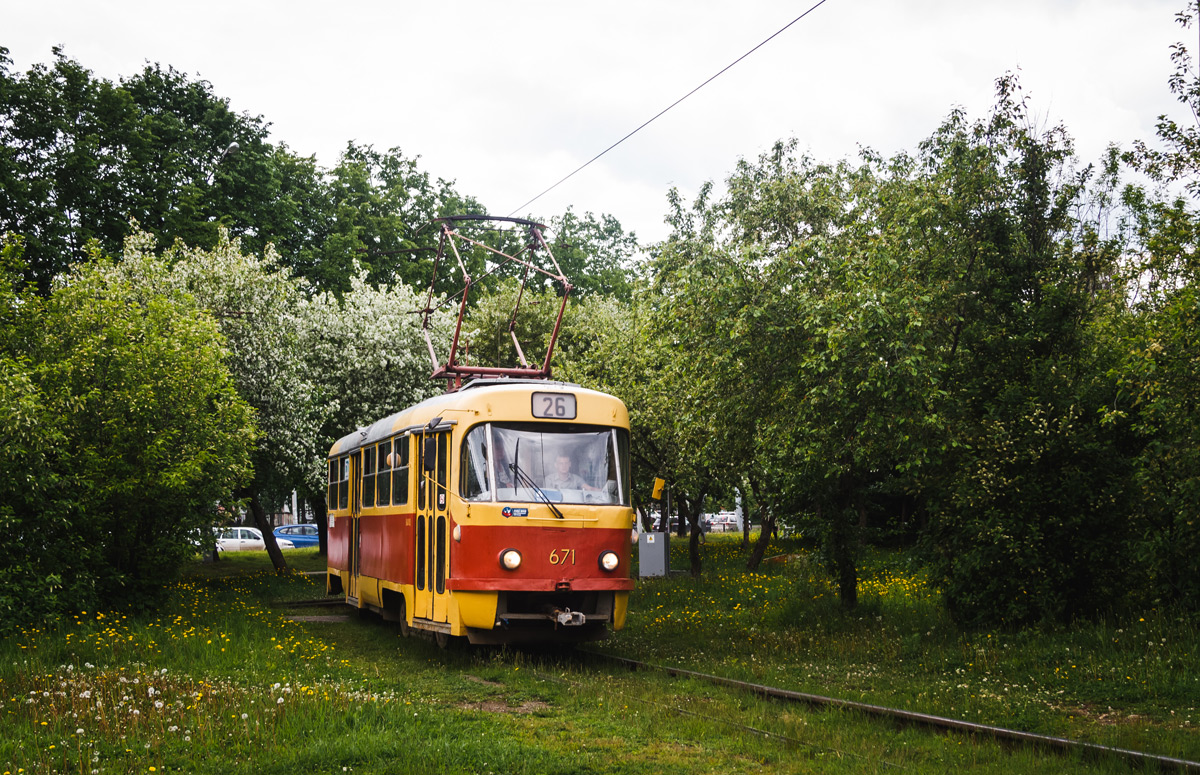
<point>563,478</point>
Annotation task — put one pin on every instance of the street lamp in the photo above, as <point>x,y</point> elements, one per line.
<point>230,149</point>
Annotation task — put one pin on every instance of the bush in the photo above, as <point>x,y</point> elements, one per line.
<point>121,431</point>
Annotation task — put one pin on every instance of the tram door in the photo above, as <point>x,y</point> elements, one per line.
<point>355,509</point>
<point>432,554</point>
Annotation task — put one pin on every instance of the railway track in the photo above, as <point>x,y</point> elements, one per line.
<point>317,602</point>
<point>899,716</point>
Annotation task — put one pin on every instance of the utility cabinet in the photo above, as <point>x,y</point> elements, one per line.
<point>652,555</point>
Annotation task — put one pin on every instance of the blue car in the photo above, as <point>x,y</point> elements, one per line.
<point>301,536</point>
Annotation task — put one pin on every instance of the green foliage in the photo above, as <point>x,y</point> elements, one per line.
<point>122,429</point>
<point>368,358</point>
<point>595,255</point>
<point>1158,376</point>
<point>1180,160</point>
<point>1031,512</point>
<point>259,307</point>
<point>80,156</point>
<point>372,210</point>
<point>1160,368</point>
<point>932,328</point>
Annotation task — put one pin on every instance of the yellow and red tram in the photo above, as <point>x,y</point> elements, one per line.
<point>499,512</point>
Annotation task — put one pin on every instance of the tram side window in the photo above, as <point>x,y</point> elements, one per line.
<point>443,439</point>
<point>339,485</point>
<point>331,492</point>
<point>400,471</point>
<point>344,482</point>
<point>368,477</point>
<point>623,460</point>
<point>383,480</point>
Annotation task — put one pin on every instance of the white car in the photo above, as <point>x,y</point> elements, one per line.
<point>237,539</point>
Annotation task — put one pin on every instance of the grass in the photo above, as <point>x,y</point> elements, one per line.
<point>1132,684</point>
<point>225,680</point>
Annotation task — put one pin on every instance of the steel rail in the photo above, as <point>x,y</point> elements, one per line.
<point>309,603</point>
<point>1060,744</point>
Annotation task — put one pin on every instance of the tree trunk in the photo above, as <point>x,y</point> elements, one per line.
<point>321,515</point>
<point>693,518</point>
<point>763,543</point>
<point>260,520</point>
<point>843,547</point>
<point>744,503</point>
<point>766,522</point>
<point>843,561</point>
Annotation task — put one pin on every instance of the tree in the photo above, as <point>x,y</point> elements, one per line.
<point>895,328</point>
<point>1030,519</point>
<point>80,156</point>
<point>122,430</point>
<point>1180,160</point>
<point>596,255</point>
<point>1160,368</point>
<point>378,213</point>
<point>260,308</point>
<point>808,334</point>
<point>368,357</point>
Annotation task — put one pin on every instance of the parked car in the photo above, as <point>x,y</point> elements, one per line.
<point>237,539</point>
<point>724,522</point>
<point>300,535</point>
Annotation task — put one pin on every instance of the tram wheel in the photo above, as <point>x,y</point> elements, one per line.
<point>443,640</point>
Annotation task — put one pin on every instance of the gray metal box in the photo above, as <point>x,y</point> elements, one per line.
<point>652,555</point>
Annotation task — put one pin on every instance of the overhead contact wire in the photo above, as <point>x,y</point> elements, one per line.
<point>583,166</point>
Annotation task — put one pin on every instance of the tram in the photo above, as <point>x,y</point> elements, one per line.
<point>499,512</point>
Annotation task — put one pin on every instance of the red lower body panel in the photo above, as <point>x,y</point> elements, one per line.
<point>552,559</point>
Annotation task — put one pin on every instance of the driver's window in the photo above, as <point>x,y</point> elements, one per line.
<point>474,483</point>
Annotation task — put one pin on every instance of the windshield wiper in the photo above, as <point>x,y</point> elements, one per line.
<point>525,479</point>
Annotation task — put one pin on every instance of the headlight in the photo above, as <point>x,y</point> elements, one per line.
<point>609,561</point>
<point>510,559</point>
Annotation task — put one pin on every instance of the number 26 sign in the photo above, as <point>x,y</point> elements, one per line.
<point>554,406</point>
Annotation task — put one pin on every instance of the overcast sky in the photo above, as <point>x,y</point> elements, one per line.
<point>505,98</point>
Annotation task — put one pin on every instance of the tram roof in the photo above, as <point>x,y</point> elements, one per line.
<point>467,399</point>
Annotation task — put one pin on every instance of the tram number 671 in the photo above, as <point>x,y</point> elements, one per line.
<point>562,556</point>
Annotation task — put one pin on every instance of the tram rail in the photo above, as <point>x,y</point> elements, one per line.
<point>1059,744</point>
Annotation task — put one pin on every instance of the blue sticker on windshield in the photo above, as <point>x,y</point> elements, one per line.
<point>509,511</point>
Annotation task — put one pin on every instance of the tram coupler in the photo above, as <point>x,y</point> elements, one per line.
<point>566,617</point>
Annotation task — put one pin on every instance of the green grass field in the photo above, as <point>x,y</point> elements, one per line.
<point>229,679</point>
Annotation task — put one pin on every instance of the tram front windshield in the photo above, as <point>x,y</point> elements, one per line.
<point>523,462</point>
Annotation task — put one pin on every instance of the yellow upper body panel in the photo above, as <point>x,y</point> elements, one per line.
<point>497,400</point>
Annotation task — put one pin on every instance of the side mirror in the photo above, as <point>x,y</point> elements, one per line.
<point>429,454</point>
